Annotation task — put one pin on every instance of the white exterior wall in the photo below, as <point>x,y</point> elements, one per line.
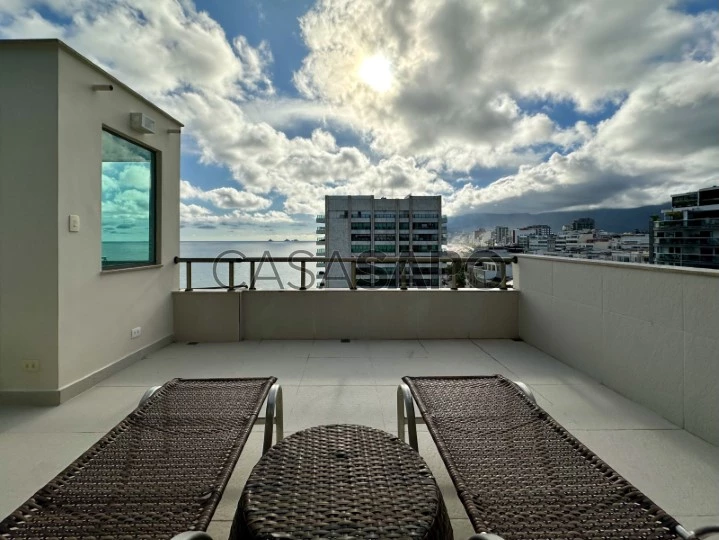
<point>28,217</point>
<point>648,332</point>
<point>98,309</point>
<point>57,307</point>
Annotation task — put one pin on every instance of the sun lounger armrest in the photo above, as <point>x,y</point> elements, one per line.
<point>699,533</point>
<point>192,535</point>
<point>485,536</point>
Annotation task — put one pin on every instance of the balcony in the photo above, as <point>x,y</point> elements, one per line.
<point>321,230</point>
<point>320,218</point>
<point>622,355</point>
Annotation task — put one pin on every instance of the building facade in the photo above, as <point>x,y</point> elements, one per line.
<point>688,233</point>
<point>583,224</point>
<point>355,226</point>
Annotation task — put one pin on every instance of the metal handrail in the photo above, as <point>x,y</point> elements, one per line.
<point>456,261</point>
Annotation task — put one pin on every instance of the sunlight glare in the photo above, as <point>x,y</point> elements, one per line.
<point>376,71</point>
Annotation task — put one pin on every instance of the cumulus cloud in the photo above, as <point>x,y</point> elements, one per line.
<point>225,197</point>
<point>463,77</point>
<point>662,140</point>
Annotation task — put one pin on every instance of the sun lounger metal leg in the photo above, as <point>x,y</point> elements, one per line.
<point>698,533</point>
<point>147,395</point>
<point>405,416</point>
<point>524,388</point>
<point>192,535</point>
<point>273,415</point>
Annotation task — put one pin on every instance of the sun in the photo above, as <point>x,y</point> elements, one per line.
<point>376,72</point>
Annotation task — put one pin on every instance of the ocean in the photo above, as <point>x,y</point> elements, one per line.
<point>270,276</point>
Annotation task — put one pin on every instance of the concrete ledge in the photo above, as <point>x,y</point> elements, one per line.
<point>342,313</point>
<point>208,316</point>
<point>55,397</point>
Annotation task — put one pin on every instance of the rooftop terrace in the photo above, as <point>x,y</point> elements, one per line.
<point>327,381</point>
<point>623,356</point>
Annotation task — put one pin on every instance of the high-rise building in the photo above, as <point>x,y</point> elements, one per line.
<point>583,224</point>
<point>362,225</point>
<point>501,236</point>
<point>688,233</point>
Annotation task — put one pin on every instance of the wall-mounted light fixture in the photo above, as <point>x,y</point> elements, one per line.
<point>102,87</point>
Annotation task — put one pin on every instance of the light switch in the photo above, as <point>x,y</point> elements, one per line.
<point>74,223</point>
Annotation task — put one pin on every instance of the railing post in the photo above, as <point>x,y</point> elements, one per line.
<point>503,281</point>
<point>252,275</point>
<point>454,277</point>
<point>188,277</point>
<point>353,274</point>
<point>403,276</point>
<point>232,277</point>
<point>302,277</point>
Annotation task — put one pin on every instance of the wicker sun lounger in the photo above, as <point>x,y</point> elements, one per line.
<point>160,471</point>
<point>519,474</point>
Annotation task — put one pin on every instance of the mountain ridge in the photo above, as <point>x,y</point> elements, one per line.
<point>617,220</point>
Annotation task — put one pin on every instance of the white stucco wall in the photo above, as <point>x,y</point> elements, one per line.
<point>56,303</point>
<point>648,332</point>
<point>99,309</point>
<point>28,216</point>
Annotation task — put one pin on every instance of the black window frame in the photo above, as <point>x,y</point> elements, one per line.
<point>154,234</point>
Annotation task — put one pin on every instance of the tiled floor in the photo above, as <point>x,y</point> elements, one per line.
<point>332,382</point>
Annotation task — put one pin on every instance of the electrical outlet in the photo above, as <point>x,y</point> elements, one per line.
<point>135,332</point>
<point>31,365</point>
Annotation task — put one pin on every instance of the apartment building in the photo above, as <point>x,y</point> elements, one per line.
<point>362,225</point>
<point>688,233</point>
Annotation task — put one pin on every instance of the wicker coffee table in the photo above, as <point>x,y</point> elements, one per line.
<point>341,481</point>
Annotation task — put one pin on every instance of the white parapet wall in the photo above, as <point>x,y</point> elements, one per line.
<point>649,332</point>
<point>339,314</point>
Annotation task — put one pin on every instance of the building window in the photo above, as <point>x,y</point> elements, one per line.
<point>129,192</point>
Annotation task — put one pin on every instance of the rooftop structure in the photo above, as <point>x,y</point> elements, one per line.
<point>354,225</point>
<point>688,233</point>
<point>582,224</point>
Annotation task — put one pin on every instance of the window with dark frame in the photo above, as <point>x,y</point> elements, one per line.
<point>129,202</point>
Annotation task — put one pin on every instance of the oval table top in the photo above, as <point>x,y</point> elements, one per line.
<point>341,482</point>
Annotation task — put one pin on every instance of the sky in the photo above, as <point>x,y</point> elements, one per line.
<point>499,106</point>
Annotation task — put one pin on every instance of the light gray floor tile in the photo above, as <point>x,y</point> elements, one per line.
<point>429,453</point>
<point>396,348</point>
<point>248,459</point>
<point>338,371</point>
<point>595,407</point>
<point>96,410</point>
<point>288,370</point>
<point>530,365</point>
<point>335,348</point>
<point>288,348</point>
<point>30,460</point>
<point>451,348</point>
<point>320,405</point>
<point>677,470</point>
